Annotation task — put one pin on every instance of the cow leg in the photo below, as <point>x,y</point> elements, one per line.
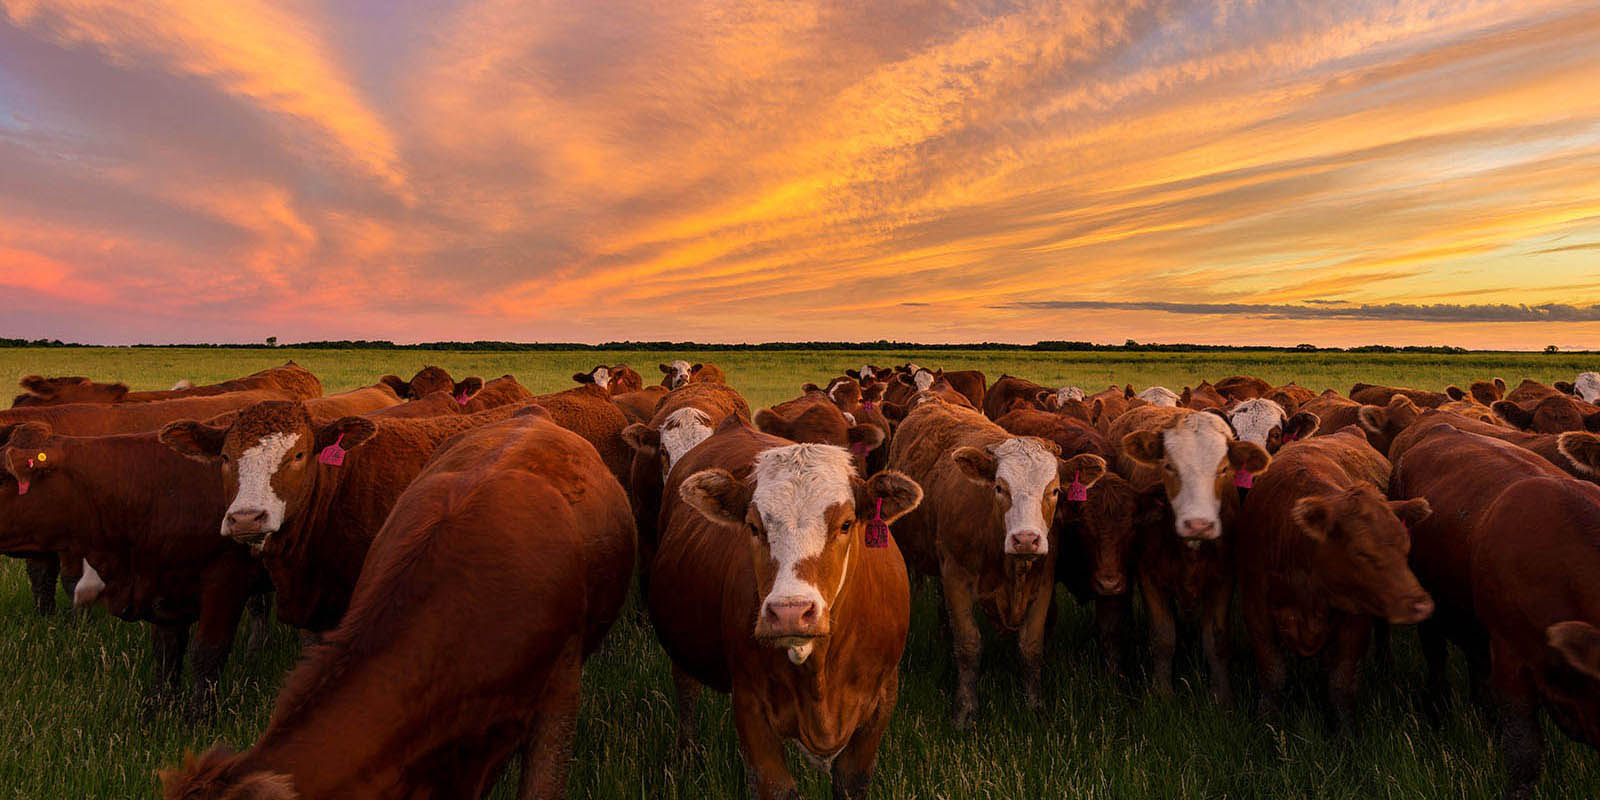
<point>1351,637</point>
<point>259,606</point>
<point>967,644</point>
<point>1382,647</point>
<point>42,573</point>
<point>1030,642</point>
<point>547,755</point>
<point>686,694</point>
<point>168,642</point>
<point>71,572</point>
<point>762,749</point>
<point>1521,740</point>
<point>221,606</point>
<point>852,769</point>
<point>1110,616</point>
<point>1272,673</point>
<point>1214,642</point>
<point>1163,635</point>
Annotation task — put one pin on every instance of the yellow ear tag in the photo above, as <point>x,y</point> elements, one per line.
<point>40,457</point>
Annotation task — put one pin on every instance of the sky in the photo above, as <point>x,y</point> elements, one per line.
<point>1248,172</point>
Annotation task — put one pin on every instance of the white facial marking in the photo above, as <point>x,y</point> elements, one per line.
<point>180,385</point>
<point>850,419</point>
<point>799,653</point>
<point>1027,469</point>
<point>1253,420</point>
<point>1196,447</point>
<point>795,487</point>
<point>256,468</point>
<point>680,373</point>
<point>866,372</point>
<point>1160,396</point>
<point>680,432</point>
<point>89,587</point>
<point>1066,393</point>
<point>602,377</point>
<point>1588,387</point>
<point>923,379</point>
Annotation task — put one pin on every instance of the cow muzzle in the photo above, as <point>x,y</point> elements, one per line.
<point>790,621</point>
<point>1413,611</point>
<point>1110,584</point>
<point>1026,543</point>
<point>1199,529</point>
<point>247,525</point>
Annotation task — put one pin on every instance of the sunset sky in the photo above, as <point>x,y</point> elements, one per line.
<point>1251,172</point>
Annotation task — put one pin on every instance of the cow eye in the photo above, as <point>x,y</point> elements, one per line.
<point>754,531</point>
<point>1056,492</point>
<point>998,489</point>
<point>845,526</point>
<point>224,458</point>
<point>1169,468</point>
<point>299,456</point>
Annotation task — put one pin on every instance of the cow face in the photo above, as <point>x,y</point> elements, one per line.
<point>1383,423</point>
<point>28,452</point>
<point>1362,542</point>
<point>599,376</point>
<point>824,423</point>
<point>269,459</point>
<point>1026,475</point>
<point>1069,393</point>
<point>680,432</point>
<point>1587,387</point>
<point>1198,457</point>
<point>1158,396</point>
<point>432,379</point>
<point>1557,413</point>
<point>1265,423</point>
<point>804,509</point>
<point>675,374</point>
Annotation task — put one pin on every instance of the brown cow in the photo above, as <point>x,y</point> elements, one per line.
<point>760,530</point>
<point>969,383</point>
<point>987,527</point>
<point>588,411</point>
<point>813,418</point>
<point>861,405</point>
<point>1201,397</point>
<point>1072,435</point>
<point>307,498</point>
<point>1194,457</point>
<point>1485,392</point>
<point>145,520</point>
<point>1291,396</point>
<point>1470,407</point>
<point>1320,551</point>
<point>432,379</point>
<point>1009,393</point>
<point>1267,424</point>
<point>1381,423</point>
<point>291,380</point>
<point>615,379</point>
<point>1530,391</point>
<point>1555,413</point>
<point>1243,387</point>
<point>501,391</point>
<point>681,372</point>
<point>514,530</point>
<point>640,406</point>
<point>1369,395</point>
<point>1576,452</point>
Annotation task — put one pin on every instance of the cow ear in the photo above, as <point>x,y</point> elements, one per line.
<point>469,386</point>
<point>1591,422</point>
<point>1454,392</point>
<point>1184,397</point>
<point>1565,387</point>
<point>195,440</point>
<point>976,464</point>
<point>696,368</point>
<point>583,377</point>
<point>869,435</point>
<point>1127,392</point>
<point>897,490</point>
<point>718,496</point>
<point>37,384</point>
<point>1248,456</point>
<point>1372,418</point>
<point>1582,449</point>
<point>1097,410</point>
<point>1085,468</point>
<point>1301,426</point>
<point>809,388</point>
<point>400,387</point>
<point>1500,385</point>
<point>1411,512</point>
<point>1513,413</point>
<point>1579,643</point>
<point>894,412</point>
<point>1047,400</point>
<point>1146,447</point>
<point>6,431</point>
<point>642,438</point>
<point>1314,515</point>
<point>355,430</point>
<point>873,393</point>
<point>768,422</point>
<point>853,373</point>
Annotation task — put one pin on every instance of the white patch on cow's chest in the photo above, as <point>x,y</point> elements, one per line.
<point>257,465</point>
<point>682,430</point>
<point>1027,469</point>
<point>795,487</point>
<point>1253,420</point>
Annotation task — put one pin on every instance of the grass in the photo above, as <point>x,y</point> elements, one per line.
<point>71,726</point>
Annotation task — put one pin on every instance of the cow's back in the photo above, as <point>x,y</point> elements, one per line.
<point>88,419</point>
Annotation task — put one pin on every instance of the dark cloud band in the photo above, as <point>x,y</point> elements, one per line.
<point>1438,312</point>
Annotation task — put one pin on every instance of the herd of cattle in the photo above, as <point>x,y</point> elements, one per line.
<point>399,524</point>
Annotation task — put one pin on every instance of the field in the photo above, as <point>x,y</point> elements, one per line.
<point>70,685</point>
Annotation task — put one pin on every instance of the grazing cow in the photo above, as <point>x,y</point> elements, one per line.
<point>502,391</point>
<point>987,529</point>
<point>145,520</point>
<point>685,418</point>
<point>1320,551</point>
<point>1381,423</point>
<point>1576,452</point>
<point>292,380</point>
<point>640,406</point>
<point>616,379</point>
<point>1291,396</point>
<point>1369,395</point>
<point>1193,456</point>
<point>1157,396</point>
<point>1265,423</point>
<point>1556,413</point>
<point>1010,393</point>
<point>499,570</point>
<point>969,383</point>
<point>776,583</point>
<point>1586,386</point>
<point>1243,387</point>
<point>308,497</point>
<point>1201,397</point>
<point>813,418</point>
<point>432,379</point>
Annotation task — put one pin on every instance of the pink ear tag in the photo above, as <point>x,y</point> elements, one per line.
<point>859,449</point>
<point>333,454</point>
<point>22,486</point>
<point>1244,479</point>
<point>866,405</point>
<point>1076,491</point>
<point>462,398</point>
<point>877,534</point>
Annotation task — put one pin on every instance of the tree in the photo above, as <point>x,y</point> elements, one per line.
<point>272,341</point>
<point>1550,348</point>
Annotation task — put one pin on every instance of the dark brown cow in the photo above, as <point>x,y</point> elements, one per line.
<point>1010,393</point>
<point>307,498</point>
<point>1071,435</point>
<point>1291,396</point>
<point>1529,392</point>
<point>1483,392</point>
<point>432,379</point>
<point>640,406</point>
<point>292,380</point>
<point>969,383</point>
<point>501,568</point>
<point>145,519</point>
<point>1201,397</point>
<point>615,379</point>
<point>814,418</point>
<point>1193,456</point>
<point>1243,387</point>
<point>987,530</point>
<point>502,391</point>
<point>862,405</point>
<point>1555,413</point>
<point>1381,423</point>
<point>1369,395</point>
<point>1112,403</point>
<point>588,411</point>
<point>1320,551</point>
<point>760,530</point>
<point>1576,452</point>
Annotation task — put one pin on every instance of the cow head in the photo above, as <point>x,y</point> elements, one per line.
<point>1557,413</point>
<point>1107,525</point>
<point>804,508</point>
<point>824,423</point>
<point>1157,396</point>
<point>214,776</point>
<point>679,433</point>
<point>432,379</point>
<point>67,389</point>
<point>1264,422</point>
<point>867,374</point>
<point>1198,457</point>
<point>920,379</point>
<point>29,451</point>
<point>1578,644</point>
<point>1362,541</point>
<point>600,376</point>
<point>1383,423</point>
<point>1026,475</point>
<point>1586,386</point>
<point>1069,393</point>
<point>675,374</point>
<point>269,459</point>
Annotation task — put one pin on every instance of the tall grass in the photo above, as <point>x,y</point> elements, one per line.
<point>71,726</point>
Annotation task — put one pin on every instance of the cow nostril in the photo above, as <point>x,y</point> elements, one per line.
<point>810,614</point>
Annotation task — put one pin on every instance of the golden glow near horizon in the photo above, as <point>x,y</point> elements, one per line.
<point>1246,173</point>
